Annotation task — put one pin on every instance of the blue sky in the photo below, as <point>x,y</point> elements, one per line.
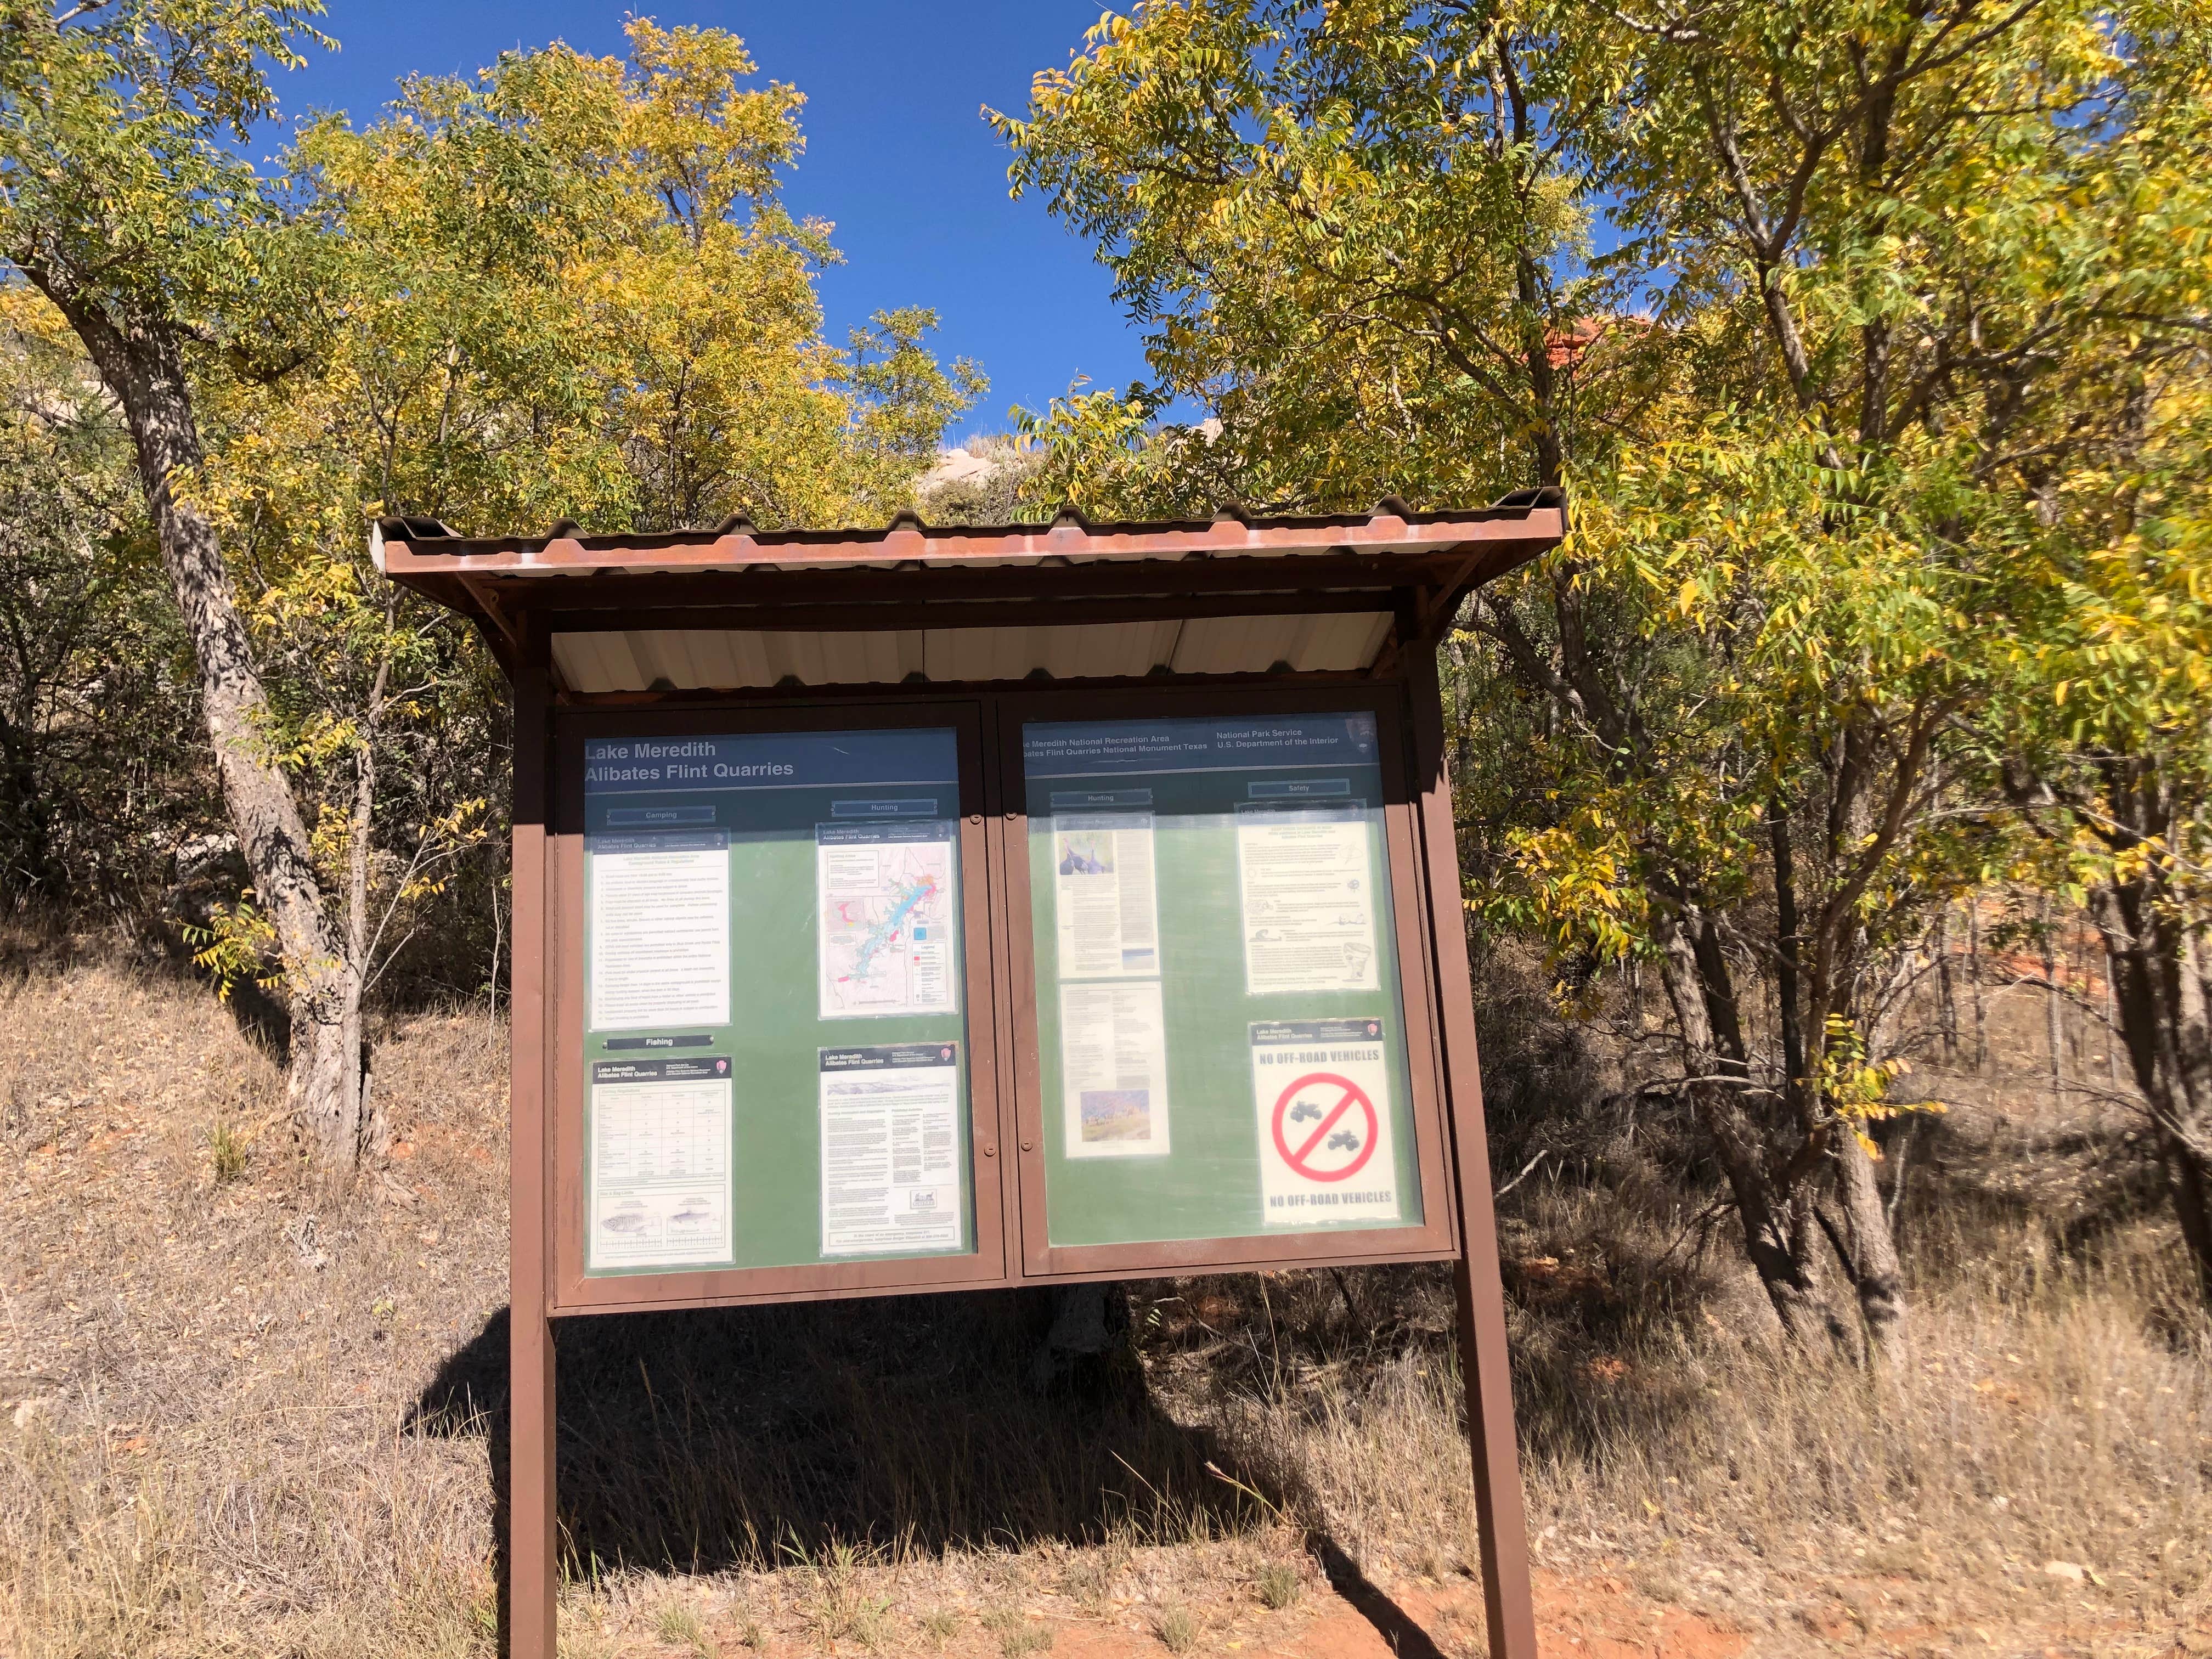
<point>896,155</point>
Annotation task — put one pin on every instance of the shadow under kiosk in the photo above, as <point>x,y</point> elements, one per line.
<point>922,909</point>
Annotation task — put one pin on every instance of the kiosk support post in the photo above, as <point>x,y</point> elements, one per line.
<point>1484,1371</point>
<point>530,1571</point>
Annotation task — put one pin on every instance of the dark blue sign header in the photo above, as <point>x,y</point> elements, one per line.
<point>1084,749</point>
<point>779,760</point>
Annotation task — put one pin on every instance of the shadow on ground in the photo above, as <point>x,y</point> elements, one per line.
<point>738,1437</point>
<point>695,1441</point>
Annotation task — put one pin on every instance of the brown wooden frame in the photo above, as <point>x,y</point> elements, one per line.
<point>1006,1097</point>
<point>1435,1238</point>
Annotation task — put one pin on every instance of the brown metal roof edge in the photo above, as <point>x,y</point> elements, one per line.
<point>424,544</point>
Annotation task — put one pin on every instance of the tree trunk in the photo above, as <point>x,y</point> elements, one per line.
<point>1974,979</point>
<point>143,365</point>
<point>2111,1032</point>
<point>1871,1259</point>
<point>2053,1031</point>
<point>2183,1108</point>
<point>1947,1002</point>
<point>1776,1222</point>
<point>368,1126</point>
<point>2157,967</point>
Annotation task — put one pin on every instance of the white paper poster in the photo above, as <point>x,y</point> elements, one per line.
<point>1114,1065</point>
<point>660,1163</point>
<point>886,905</point>
<point>660,930</point>
<point>891,1149</point>
<point>1103,893</point>
<point>1321,1088</point>
<point>1308,888</point>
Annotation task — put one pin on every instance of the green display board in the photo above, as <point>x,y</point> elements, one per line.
<point>775,1045</point>
<point>1221,1039</point>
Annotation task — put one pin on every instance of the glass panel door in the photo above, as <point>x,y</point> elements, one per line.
<point>775,1048</point>
<point>1221,1038</point>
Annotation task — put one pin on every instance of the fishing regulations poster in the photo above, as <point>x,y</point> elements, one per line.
<point>661,1151</point>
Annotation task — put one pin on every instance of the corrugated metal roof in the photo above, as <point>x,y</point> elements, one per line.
<point>403,545</point>
<point>737,606</point>
<point>720,659</point>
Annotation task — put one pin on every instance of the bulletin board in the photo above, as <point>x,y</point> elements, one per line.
<point>765,1084</point>
<point>929,908</point>
<point>816,983</point>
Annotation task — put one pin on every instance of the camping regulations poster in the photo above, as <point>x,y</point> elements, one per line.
<point>1104,895</point>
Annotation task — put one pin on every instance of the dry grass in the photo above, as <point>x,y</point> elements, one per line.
<point>1177,1628</point>
<point>1278,1585</point>
<point>2041,1415</point>
<point>242,1416</point>
<point>207,1453</point>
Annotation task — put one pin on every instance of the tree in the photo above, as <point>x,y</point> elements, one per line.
<point>1731,726</point>
<point>2104,733</point>
<point>1364,247</point>
<point>88,640</point>
<point>121,202</point>
<point>1977,242</point>
<point>1719,751</point>
<point>1348,234</point>
<point>561,289</point>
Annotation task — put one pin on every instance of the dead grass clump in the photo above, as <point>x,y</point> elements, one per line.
<point>1278,1584</point>
<point>1091,1575</point>
<point>112,1545</point>
<point>99,1557</point>
<point>2043,1410</point>
<point>1176,1627</point>
<point>840,1608</point>
<point>227,1149</point>
<point>204,1458</point>
<point>1017,1634</point>
<point>678,1626</point>
<point>2061,1427</point>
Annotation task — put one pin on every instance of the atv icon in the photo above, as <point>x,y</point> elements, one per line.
<point>1302,1110</point>
<point>1344,1140</point>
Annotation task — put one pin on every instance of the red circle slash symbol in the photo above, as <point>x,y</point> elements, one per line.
<point>1334,1096</point>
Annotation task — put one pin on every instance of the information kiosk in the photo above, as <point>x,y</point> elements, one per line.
<point>929,909</point>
